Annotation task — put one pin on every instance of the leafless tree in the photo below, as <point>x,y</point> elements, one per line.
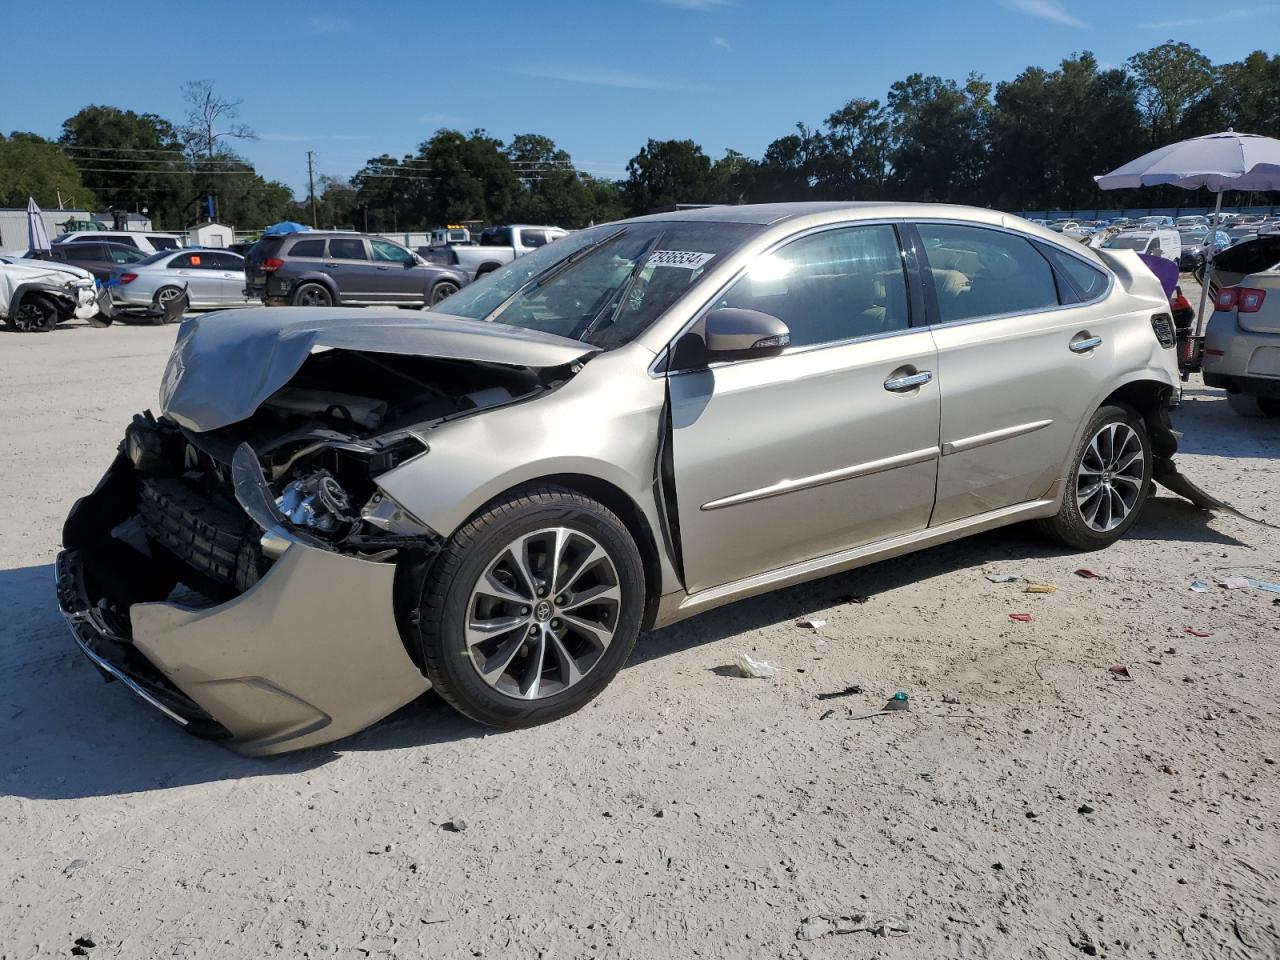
<point>210,119</point>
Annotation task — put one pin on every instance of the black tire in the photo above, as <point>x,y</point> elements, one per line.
<point>447,596</point>
<point>443,290</point>
<point>161,297</point>
<point>1069,525</point>
<point>1248,406</point>
<point>312,295</point>
<point>35,314</point>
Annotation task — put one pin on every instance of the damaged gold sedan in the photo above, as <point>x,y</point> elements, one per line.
<point>339,509</point>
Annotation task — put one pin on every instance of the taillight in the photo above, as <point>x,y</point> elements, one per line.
<point>272,264</point>
<point>1250,300</point>
<point>1244,299</point>
<point>128,277</point>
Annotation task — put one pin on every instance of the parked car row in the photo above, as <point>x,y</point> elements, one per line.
<point>496,246</point>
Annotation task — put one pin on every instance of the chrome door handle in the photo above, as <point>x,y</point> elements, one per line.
<point>909,382</point>
<point>1085,345</point>
<point>384,268</point>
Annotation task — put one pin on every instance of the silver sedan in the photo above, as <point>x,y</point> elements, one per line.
<point>340,509</point>
<point>213,280</point>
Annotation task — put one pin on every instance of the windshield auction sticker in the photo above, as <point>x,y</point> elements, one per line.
<point>683,259</point>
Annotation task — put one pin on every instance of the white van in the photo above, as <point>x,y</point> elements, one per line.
<point>148,242</point>
<point>1165,243</point>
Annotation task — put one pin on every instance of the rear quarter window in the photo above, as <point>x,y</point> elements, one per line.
<point>1089,282</point>
<point>307,248</point>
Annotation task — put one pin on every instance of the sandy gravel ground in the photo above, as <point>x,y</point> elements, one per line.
<point>1028,806</point>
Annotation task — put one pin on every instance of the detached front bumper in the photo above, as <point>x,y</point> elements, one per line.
<point>309,654</point>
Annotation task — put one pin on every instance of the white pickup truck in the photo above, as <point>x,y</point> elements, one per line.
<point>496,246</point>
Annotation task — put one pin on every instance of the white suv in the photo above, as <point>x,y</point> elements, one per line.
<point>146,242</point>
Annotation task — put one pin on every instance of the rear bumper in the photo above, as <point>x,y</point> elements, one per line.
<point>1241,361</point>
<point>309,653</point>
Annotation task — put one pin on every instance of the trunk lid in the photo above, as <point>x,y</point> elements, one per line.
<point>225,365</point>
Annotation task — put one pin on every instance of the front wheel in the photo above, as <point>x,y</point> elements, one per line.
<point>35,314</point>
<point>1109,481</point>
<point>443,290</point>
<point>531,608</point>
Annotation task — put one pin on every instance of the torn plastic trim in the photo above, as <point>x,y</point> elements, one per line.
<point>1165,472</point>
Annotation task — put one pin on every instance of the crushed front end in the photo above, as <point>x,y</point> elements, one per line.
<point>249,593</point>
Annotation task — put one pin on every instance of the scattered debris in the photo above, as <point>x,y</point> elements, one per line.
<point>380,849</point>
<point>997,866</point>
<point>1120,672</point>
<point>1021,617</point>
<point>1084,809</point>
<point>86,940</point>
<point>846,692</point>
<point>1088,574</point>
<point>79,863</point>
<point>1199,586</point>
<point>1165,768</point>
<point>456,825</point>
<point>1197,633</point>
<point>899,701</point>
<point>1002,578</point>
<point>755,669</point>
<point>811,623</point>
<point>1265,585</point>
<point>1234,583</point>
<point>948,698</point>
<point>852,598</point>
<point>827,714</point>
<point>826,925</point>
<point>1040,588</point>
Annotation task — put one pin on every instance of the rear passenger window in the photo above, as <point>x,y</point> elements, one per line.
<point>985,273</point>
<point>836,285</point>
<point>1089,282</point>
<point>307,248</point>
<point>350,248</point>
<point>534,238</point>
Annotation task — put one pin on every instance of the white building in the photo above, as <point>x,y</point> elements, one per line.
<point>210,235</point>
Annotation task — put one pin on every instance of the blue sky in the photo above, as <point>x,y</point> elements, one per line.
<point>350,81</point>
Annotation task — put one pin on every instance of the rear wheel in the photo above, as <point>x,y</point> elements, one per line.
<point>162,297</point>
<point>531,608</point>
<point>312,295</point>
<point>1109,481</point>
<point>1247,406</point>
<point>35,314</point>
<point>443,290</point>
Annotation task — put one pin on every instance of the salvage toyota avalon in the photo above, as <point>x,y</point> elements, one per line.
<point>340,509</point>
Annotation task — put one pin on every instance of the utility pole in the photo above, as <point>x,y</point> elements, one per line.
<point>311,180</point>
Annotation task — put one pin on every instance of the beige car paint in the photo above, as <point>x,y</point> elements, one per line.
<point>309,654</point>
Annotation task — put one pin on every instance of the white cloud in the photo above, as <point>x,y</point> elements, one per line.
<point>721,42</point>
<point>696,4</point>
<point>607,77</point>
<point>1051,10</point>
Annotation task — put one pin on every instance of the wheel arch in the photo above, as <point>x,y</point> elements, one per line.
<point>622,505</point>
<point>1151,399</point>
<point>316,276</point>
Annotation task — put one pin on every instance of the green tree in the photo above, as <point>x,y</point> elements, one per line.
<point>130,161</point>
<point>1245,97</point>
<point>388,193</point>
<point>552,191</point>
<point>31,166</point>
<point>1171,78</point>
<point>939,138</point>
<point>665,172</point>
<point>853,158</point>
<point>790,169</point>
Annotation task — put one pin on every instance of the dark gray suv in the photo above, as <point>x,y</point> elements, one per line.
<point>321,269</point>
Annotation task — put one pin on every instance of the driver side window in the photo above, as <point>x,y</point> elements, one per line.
<point>828,287</point>
<point>386,252</point>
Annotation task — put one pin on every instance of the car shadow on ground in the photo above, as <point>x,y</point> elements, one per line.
<point>64,734</point>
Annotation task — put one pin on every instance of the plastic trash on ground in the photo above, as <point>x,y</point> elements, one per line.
<point>1040,588</point>
<point>1003,577</point>
<point>1199,586</point>
<point>756,669</point>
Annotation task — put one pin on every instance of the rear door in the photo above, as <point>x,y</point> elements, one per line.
<point>347,262</point>
<point>226,277</point>
<point>1017,369</point>
<point>825,447</point>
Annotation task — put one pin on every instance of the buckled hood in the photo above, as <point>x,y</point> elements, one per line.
<point>224,365</point>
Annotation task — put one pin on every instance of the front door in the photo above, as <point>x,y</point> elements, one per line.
<point>830,445</point>
<point>189,270</point>
<point>398,278</point>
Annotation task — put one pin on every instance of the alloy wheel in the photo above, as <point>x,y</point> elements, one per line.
<point>1110,477</point>
<point>543,613</point>
<point>313,296</point>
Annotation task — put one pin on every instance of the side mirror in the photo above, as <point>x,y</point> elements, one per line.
<point>731,333</point>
